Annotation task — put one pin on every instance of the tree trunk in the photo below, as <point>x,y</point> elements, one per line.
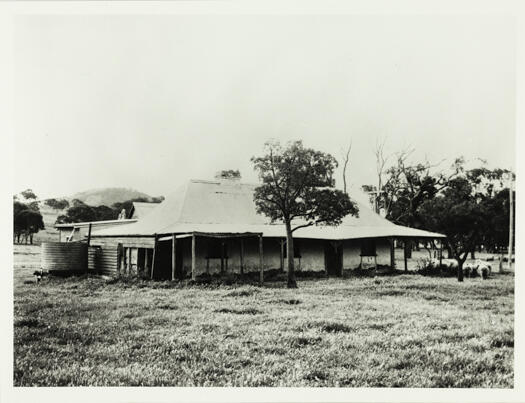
<point>290,257</point>
<point>460,270</point>
<point>473,254</point>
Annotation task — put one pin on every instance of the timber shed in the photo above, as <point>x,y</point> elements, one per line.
<point>213,227</point>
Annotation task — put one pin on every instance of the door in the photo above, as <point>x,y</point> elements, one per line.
<point>333,257</point>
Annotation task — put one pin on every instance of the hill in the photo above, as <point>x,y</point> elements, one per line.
<point>94,197</point>
<point>108,196</point>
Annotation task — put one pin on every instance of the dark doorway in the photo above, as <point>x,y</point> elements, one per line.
<point>162,264</point>
<point>163,260</point>
<point>333,257</point>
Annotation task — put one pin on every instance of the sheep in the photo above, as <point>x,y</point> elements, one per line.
<point>470,269</point>
<point>484,268</point>
<point>450,263</point>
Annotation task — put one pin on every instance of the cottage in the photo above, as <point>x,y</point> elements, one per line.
<point>213,227</point>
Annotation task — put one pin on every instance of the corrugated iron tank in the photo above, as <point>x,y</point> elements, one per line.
<point>64,257</point>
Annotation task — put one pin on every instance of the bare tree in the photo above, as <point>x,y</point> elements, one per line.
<point>346,158</point>
<point>381,161</point>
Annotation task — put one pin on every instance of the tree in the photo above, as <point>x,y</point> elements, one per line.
<point>81,212</point>
<point>346,159</point>
<point>29,222</point>
<point>25,224</point>
<point>228,174</point>
<point>458,214</point>
<point>78,213</point>
<point>57,204</point>
<point>103,213</point>
<point>381,160</point>
<point>18,224</point>
<point>298,190</point>
<point>126,205</point>
<point>490,189</point>
<point>29,194</point>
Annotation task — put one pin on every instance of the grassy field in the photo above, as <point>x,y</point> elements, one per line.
<point>397,331</point>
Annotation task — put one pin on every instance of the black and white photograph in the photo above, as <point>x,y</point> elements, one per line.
<point>306,203</point>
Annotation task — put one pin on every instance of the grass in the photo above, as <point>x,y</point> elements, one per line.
<point>395,331</point>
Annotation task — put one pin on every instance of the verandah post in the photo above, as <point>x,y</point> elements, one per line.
<point>405,247</point>
<point>89,235</point>
<point>440,253</point>
<point>282,254</point>
<point>392,254</point>
<point>261,268</point>
<point>173,256</point>
<point>128,258</point>
<point>193,273</point>
<point>154,255</point>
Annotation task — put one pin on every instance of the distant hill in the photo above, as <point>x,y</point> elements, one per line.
<point>108,196</point>
<point>94,197</point>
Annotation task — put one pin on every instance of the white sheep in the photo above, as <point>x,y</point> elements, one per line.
<point>484,268</point>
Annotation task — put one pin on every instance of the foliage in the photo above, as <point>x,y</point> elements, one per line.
<point>27,222</point>
<point>298,189</point>
<point>462,214</point>
<point>57,204</point>
<point>81,212</point>
<point>28,194</point>
<point>27,219</point>
<point>408,186</point>
<point>496,234</point>
<point>229,174</point>
<point>126,205</point>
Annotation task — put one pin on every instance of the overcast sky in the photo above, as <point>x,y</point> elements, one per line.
<point>150,101</point>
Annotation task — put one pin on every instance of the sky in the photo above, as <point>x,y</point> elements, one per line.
<point>149,102</point>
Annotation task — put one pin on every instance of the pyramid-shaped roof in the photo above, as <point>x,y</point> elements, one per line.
<point>227,207</point>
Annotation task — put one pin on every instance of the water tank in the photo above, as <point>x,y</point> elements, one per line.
<point>64,257</point>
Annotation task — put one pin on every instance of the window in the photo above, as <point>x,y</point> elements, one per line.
<point>368,247</point>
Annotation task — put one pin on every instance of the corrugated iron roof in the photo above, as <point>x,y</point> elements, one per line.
<point>228,207</point>
<point>95,223</point>
<point>142,209</point>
